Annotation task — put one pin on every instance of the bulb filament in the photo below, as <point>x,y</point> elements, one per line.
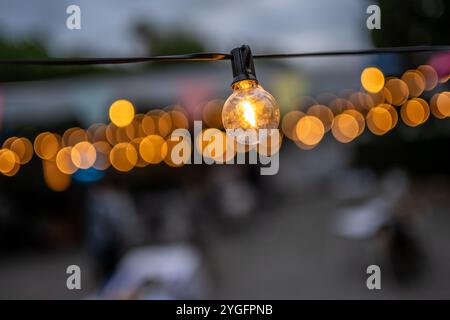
<point>249,113</point>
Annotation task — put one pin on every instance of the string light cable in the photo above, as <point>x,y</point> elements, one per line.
<point>202,56</point>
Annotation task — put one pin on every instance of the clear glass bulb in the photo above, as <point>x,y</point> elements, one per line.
<point>250,107</point>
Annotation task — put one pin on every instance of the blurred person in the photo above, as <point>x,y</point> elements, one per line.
<point>112,224</point>
<point>388,222</point>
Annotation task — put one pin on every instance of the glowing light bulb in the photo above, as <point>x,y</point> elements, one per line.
<point>250,107</point>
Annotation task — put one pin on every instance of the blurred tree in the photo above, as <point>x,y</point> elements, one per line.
<point>34,49</point>
<point>413,22</point>
<point>167,42</point>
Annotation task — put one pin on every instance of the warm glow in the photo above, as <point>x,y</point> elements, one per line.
<point>102,159</point>
<point>372,79</point>
<point>415,82</point>
<point>137,140</point>
<point>359,119</point>
<point>128,133</point>
<point>309,130</point>
<point>8,142</point>
<point>413,113</point>
<point>323,113</point>
<point>345,128</point>
<point>13,171</point>
<point>165,125</point>
<point>157,122</point>
<point>250,107</point>
<point>379,97</point>
<point>379,120</point>
<point>140,163</point>
<point>361,101</point>
<point>339,105</point>
<point>122,135</point>
<point>110,133</point>
<point>180,120</point>
<point>425,107</point>
<point>46,145</point>
<point>392,112</point>
<point>23,149</point>
<point>8,159</point>
<point>97,132</point>
<point>442,103</point>
<point>123,157</point>
<point>64,161</point>
<point>387,96</point>
<point>54,178</point>
<point>83,155</point>
<point>137,123</point>
<point>398,90</point>
<point>248,113</point>
<point>289,122</point>
<point>153,149</point>
<point>121,113</point>
<point>148,124</point>
<point>73,136</point>
<point>430,75</point>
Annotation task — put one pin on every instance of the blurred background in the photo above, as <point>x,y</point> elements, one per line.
<point>158,231</point>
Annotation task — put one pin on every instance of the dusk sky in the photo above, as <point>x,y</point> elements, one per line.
<point>307,25</point>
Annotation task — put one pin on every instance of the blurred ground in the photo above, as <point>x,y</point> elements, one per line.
<point>294,256</point>
<point>288,254</point>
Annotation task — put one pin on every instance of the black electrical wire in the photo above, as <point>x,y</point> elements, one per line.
<point>214,56</point>
<point>411,49</point>
<point>92,61</point>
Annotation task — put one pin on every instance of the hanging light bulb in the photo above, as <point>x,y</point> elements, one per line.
<point>249,108</point>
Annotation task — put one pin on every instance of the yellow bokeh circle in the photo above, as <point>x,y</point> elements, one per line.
<point>121,112</point>
<point>372,79</point>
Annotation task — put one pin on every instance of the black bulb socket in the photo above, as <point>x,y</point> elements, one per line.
<point>242,64</point>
